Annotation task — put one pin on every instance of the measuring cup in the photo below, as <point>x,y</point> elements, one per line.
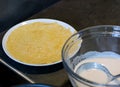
<point>97,38</point>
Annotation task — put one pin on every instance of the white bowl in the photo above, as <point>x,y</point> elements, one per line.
<point>67,26</point>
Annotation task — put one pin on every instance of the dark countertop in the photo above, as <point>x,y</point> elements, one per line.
<point>84,13</point>
<point>80,14</point>
<point>15,11</point>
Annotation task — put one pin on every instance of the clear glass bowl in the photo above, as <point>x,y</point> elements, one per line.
<point>97,38</point>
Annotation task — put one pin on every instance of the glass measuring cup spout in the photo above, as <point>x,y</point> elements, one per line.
<point>97,66</point>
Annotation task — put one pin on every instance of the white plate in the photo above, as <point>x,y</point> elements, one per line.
<point>67,26</point>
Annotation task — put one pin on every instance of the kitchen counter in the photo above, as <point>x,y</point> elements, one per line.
<point>84,13</point>
<point>80,14</point>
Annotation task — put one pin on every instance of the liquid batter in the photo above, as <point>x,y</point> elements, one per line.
<point>109,59</point>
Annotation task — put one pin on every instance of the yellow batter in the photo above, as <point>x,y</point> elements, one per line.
<point>38,43</point>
